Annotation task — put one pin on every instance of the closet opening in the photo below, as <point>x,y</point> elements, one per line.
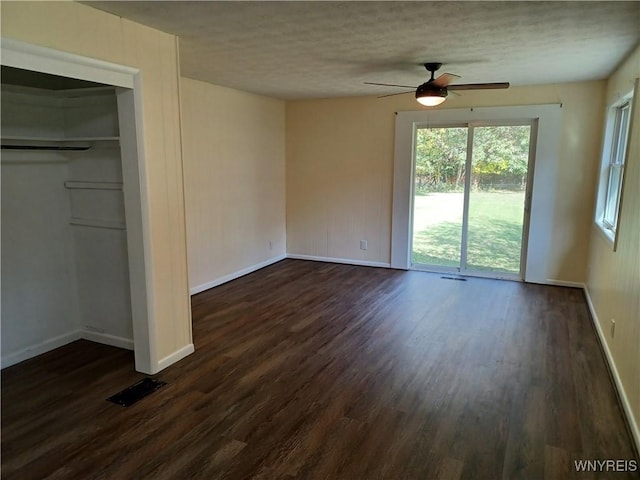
<point>72,249</point>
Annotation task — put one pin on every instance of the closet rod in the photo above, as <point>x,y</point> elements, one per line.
<point>43,147</point>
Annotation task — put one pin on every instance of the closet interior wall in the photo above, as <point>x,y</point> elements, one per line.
<point>65,271</point>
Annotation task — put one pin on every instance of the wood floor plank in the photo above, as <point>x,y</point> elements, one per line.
<point>309,370</point>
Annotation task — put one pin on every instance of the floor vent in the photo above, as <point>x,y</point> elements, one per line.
<point>138,391</point>
<point>455,278</point>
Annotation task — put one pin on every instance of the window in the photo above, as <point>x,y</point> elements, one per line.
<point>616,162</point>
<point>612,169</point>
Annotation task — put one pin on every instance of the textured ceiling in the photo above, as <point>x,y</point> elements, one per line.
<point>294,50</point>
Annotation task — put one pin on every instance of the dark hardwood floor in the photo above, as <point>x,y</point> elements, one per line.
<point>319,371</point>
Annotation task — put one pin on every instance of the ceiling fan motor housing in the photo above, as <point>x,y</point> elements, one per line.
<point>427,89</point>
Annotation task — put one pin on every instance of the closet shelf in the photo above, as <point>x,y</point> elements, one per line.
<point>97,223</point>
<point>10,142</point>
<point>58,139</point>
<point>59,148</point>
<point>72,185</point>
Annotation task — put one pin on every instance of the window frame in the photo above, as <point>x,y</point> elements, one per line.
<point>614,159</point>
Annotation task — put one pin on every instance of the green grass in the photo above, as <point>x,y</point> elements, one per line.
<point>494,237</point>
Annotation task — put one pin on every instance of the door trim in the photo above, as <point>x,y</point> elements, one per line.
<point>129,97</point>
<point>543,191</point>
<point>462,268</point>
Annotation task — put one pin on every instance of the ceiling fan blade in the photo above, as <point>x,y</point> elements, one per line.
<point>392,94</point>
<point>390,85</point>
<point>445,79</point>
<point>479,86</point>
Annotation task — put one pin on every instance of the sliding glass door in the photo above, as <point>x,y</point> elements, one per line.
<point>469,210</point>
<point>438,200</point>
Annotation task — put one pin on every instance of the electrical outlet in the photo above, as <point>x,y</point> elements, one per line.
<point>363,245</point>
<point>613,328</point>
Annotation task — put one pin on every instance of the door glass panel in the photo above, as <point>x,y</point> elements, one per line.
<point>440,155</point>
<point>499,164</point>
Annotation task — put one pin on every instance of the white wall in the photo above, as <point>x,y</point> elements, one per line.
<point>97,218</point>
<point>234,168</point>
<point>39,309</point>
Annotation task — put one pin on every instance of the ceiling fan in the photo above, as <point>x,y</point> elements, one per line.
<point>435,90</point>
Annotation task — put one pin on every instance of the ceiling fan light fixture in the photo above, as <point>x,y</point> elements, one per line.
<point>430,101</point>
<point>430,95</point>
<point>435,90</point>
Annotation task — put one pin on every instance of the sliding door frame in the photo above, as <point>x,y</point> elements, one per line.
<point>462,268</point>
<point>539,201</point>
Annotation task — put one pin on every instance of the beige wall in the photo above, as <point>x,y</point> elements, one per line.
<point>340,171</point>
<point>79,29</point>
<point>339,174</point>
<point>234,166</point>
<point>613,280</point>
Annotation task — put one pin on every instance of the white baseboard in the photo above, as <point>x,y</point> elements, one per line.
<point>632,421</point>
<point>556,283</point>
<point>232,276</point>
<point>564,283</point>
<point>175,357</point>
<point>107,339</point>
<point>347,261</point>
<point>39,348</point>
